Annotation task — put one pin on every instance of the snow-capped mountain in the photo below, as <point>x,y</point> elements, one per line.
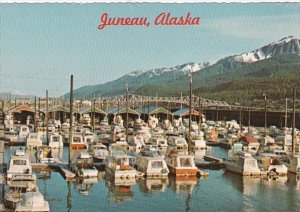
<point>225,70</point>
<point>287,45</point>
<point>185,69</point>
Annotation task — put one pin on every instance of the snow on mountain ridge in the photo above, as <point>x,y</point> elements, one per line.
<point>287,45</point>
<point>180,68</point>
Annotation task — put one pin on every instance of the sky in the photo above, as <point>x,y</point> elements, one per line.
<point>41,45</point>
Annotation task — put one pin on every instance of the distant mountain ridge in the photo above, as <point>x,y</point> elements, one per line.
<point>278,58</point>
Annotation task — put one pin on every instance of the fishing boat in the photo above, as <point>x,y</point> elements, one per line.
<point>118,166</point>
<point>152,164</point>
<point>242,163</point>
<point>19,164</point>
<point>44,154</point>
<point>83,166</point>
<point>56,141</point>
<point>33,140</point>
<point>77,142</point>
<point>181,164</point>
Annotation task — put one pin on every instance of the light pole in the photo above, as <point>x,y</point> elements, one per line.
<point>265,96</point>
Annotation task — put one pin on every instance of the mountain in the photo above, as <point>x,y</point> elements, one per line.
<point>137,79</point>
<point>279,59</point>
<point>287,45</point>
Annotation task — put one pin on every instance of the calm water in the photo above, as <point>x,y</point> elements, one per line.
<point>220,192</point>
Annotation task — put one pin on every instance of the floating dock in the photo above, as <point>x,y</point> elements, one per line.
<point>211,162</point>
<point>62,168</point>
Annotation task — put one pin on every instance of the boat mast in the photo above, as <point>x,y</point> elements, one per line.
<point>285,117</point>
<point>71,118</point>
<point>126,112</point>
<point>47,117</point>
<point>293,121</point>
<point>190,111</point>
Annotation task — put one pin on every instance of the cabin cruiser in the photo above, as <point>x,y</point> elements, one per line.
<point>18,184</point>
<point>44,154</point>
<point>41,131</point>
<point>32,201</point>
<point>11,136</point>
<point>294,165</point>
<point>83,166</point>
<point>33,140</point>
<point>177,142</point>
<point>250,143</point>
<point>19,164</point>
<point>100,152</point>
<point>89,137</point>
<point>212,137</point>
<point>242,163</point>
<point>77,142</point>
<point>152,164</point>
<point>24,132</point>
<point>272,164</point>
<point>229,141</point>
<point>86,119</point>
<point>136,142</point>
<point>181,164</point>
<point>56,141</point>
<point>118,167</point>
<point>160,142</point>
<point>198,142</point>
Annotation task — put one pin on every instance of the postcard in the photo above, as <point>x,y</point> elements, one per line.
<point>136,106</point>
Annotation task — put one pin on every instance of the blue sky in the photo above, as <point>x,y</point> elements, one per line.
<point>42,44</point>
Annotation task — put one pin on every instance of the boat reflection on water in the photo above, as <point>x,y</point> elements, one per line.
<point>150,185</point>
<point>119,190</point>
<point>293,180</point>
<point>183,184</point>
<point>84,186</point>
<point>43,174</point>
<point>245,184</point>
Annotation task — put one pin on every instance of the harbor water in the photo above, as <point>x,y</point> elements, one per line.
<point>221,191</point>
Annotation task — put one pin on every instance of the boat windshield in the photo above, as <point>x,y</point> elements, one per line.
<point>157,164</point>
<point>76,140</point>
<point>56,138</point>
<point>185,162</point>
<point>19,162</point>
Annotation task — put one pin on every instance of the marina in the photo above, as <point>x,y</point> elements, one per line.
<point>158,160</point>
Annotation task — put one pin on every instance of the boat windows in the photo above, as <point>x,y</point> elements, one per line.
<point>185,162</point>
<point>56,139</point>
<point>19,162</point>
<point>157,164</point>
<point>34,136</point>
<point>76,140</point>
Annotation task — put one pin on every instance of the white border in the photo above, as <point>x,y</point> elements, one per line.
<point>149,1</point>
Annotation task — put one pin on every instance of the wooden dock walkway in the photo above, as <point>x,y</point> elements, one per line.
<point>62,168</point>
